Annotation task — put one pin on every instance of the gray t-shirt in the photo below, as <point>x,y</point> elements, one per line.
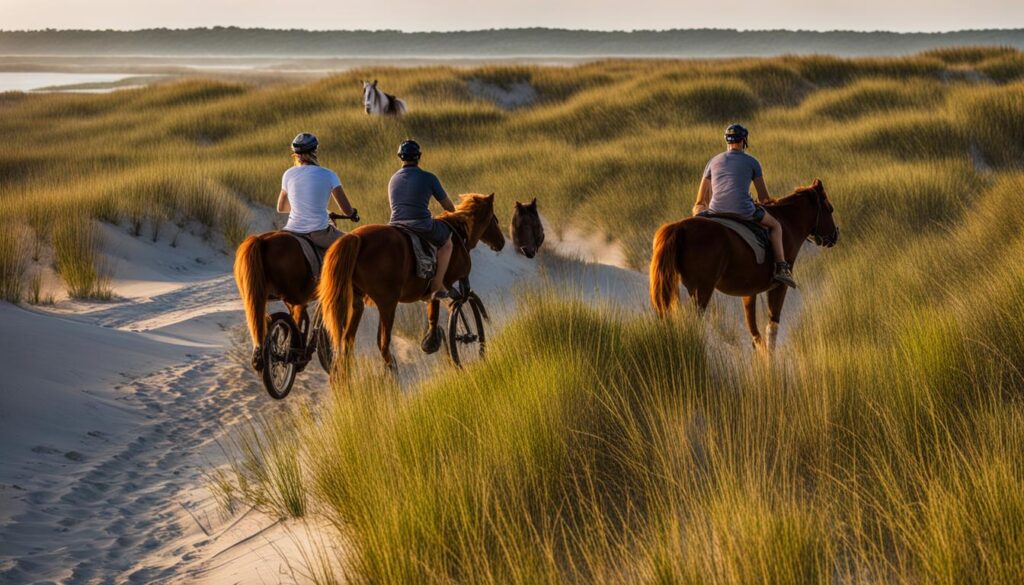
<point>731,173</point>
<point>409,191</point>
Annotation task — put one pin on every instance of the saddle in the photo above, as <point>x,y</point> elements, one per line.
<point>314,254</point>
<point>424,253</point>
<point>753,233</point>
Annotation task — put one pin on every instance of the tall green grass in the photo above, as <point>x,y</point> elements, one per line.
<point>615,143</point>
<point>602,445</point>
<point>597,444</point>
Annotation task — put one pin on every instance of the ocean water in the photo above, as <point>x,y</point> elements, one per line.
<point>34,80</point>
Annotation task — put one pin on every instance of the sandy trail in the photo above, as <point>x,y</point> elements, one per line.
<point>113,413</point>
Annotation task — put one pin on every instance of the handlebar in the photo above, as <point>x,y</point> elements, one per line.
<point>354,217</point>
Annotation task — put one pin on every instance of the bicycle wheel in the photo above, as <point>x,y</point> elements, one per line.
<point>324,352</point>
<point>466,339</point>
<point>279,350</point>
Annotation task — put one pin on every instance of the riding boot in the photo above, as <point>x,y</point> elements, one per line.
<point>784,274</point>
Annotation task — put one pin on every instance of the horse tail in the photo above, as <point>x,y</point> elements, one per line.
<point>252,286</point>
<point>400,107</point>
<point>664,273</point>
<point>336,285</point>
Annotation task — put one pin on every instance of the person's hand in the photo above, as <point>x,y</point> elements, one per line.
<point>699,208</point>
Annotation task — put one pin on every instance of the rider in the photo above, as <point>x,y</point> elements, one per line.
<point>725,188</point>
<point>306,189</point>
<point>409,191</point>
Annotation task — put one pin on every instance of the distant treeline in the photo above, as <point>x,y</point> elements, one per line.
<point>233,41</point>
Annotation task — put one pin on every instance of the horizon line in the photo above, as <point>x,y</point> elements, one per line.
<point>511,29</point>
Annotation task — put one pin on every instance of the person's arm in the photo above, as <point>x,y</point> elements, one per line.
<point>283,206</point>
<point>703,196</point>
<point>762,190</point>
<point>442,196</point>
<point>341,199</point>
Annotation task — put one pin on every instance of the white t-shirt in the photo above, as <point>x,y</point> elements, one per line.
<point>309,189</point>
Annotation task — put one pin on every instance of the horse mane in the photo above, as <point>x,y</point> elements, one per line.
<point>468,206</point>
<point>791,198</point>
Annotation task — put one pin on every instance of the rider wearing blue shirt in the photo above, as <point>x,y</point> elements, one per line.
<point>410,191</point>
<point>725,188</point>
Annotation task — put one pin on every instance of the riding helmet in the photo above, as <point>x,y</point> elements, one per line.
<point>409,151</point>
<point>736,133</point>
<point>304,142</point>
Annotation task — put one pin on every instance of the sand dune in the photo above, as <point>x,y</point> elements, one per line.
<point>111,412</point>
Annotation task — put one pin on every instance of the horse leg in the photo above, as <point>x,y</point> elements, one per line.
<point>351,326</point>
<point>750,311</point>
<point>701,296</point>
<point>776,297</point>
<point>298,312</point>
<point>432,340</point>
<point>387,321</point>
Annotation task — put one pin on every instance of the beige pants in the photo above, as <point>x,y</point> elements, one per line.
<point>325,237</point>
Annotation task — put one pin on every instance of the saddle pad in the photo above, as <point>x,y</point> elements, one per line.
<point>756,243</point>
<point>313,253</point>
<point>423,252</point>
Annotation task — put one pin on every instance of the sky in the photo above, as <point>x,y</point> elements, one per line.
<point>424,15</point>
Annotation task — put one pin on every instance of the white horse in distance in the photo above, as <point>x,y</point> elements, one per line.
<point>378,103</point>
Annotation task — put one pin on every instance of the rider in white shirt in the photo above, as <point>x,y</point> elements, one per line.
<point>306,190</point>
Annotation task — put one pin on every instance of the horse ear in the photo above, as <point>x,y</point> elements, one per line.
<point>374,83</point>
<point>519,205</point>
<point>533,202</point>
<point>817,185</point>
<point>490,197</point>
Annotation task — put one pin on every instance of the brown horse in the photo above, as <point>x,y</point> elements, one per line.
<point>271,265</point>
<point>526,229</point>
<point>706,256</point>
<point>376,262</point>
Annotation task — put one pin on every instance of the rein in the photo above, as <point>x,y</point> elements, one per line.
<point>463,238</point>
<point>816,233</point>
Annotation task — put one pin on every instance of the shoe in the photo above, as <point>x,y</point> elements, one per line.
<point>784,274</point>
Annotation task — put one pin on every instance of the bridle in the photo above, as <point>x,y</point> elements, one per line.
<point>829,240</point>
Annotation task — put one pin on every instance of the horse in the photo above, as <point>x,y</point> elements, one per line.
<point>268,265</point>
<point>526,229</point>
<point>706,255</point>
<point>376,262</point>
<point>378,103</point>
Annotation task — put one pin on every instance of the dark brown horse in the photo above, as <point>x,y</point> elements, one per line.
<point>526,229</point>
<point>271,265</point>
<point>706,255</point>
<point>376,262</point>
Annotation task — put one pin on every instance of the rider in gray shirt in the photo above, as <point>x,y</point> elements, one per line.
<point>725,188</point>
<point>410,191</point>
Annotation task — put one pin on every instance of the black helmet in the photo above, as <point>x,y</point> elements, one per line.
<point>736,133</point>
<point>304,143</point>
<point>409,151</point>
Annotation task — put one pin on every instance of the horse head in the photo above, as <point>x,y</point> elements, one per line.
<point>371,97</point>
<point>825,231</point>
<point>526,229</point>
<point>476,213</point>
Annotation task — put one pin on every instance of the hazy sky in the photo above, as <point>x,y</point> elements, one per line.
<point>417,15</point>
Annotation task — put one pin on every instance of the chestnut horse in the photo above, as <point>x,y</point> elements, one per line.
<point>376,262</point>
<point>706,255</point>
<point>271,265</point>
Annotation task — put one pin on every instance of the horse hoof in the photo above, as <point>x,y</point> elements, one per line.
<point>431,341</point>
<point>257,359</point>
